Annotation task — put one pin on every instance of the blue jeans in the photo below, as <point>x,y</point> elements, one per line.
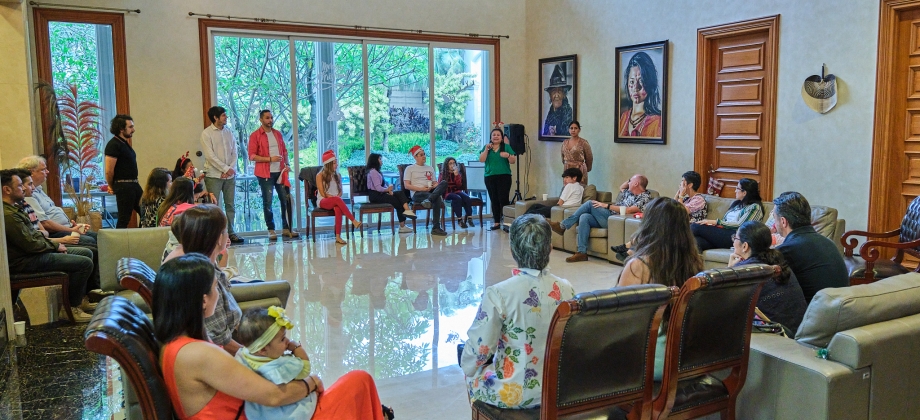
<point>77,263</point>
<point>266,184</point>
<point>587,217</point>
<point>433,196</point>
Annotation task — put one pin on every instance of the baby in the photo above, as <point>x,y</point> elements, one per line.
<point>263,333</point>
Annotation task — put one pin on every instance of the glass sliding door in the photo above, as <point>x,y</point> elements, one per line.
<point>398,100</point>
<point>461,112</point>
<point>254,74</point>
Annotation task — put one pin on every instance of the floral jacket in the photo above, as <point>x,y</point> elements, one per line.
<point>512,324</point>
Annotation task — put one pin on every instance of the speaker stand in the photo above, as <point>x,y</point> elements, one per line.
<point>517,181</point>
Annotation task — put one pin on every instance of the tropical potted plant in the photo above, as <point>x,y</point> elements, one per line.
<point>81,135</point>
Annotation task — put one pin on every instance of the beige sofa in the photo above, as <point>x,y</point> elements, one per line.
<point>872,336</point>
<point>147,245</point>
<point>824,219</point>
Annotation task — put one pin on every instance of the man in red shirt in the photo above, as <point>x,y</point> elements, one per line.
<point>267,150</point>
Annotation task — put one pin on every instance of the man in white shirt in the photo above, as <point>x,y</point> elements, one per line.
<point>572,193</point>
<point>420,181</point>
<point>51,217</point>
<point>220,157</point>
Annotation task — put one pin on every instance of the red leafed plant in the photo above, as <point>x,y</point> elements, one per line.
<point>80,127</point>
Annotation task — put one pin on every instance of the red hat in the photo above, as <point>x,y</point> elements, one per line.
<point>415,149</point>
<point>328,156</point>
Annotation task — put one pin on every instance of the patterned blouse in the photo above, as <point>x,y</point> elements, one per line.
<point>696,206</point>
<point>512,325</point>
<point>149,213</point>
<point>576,153</point>
<point>736,215</point>
<point>628,199</point>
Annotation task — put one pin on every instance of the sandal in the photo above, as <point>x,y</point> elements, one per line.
<point>341,241</point>
<point>388,412</point>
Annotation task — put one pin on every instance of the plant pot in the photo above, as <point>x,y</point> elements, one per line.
<point>94,220</point>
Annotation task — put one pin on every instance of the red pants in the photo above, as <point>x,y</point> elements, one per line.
<point>338,206</point>
<point>353,396</point>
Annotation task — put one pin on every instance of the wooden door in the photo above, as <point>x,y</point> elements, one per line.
<point>736,103</point>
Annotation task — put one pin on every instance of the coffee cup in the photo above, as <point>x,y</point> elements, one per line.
<point>20,327</point>
<point>622,209</point>
<point>429,184</point>
<point>545,197</point>
<point>75,233</point>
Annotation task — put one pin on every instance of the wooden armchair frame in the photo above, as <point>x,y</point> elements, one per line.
<point>870,250</point>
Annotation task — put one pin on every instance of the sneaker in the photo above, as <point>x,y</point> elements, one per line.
<point>96,295</point>
<point>556,227</point>
<point>619,249</point>
<point>462,223</point>
<point>577,257</point>
<point>272,235</point>
<point>235,239</point>
<point>405,229</point>
<point>469,221</point>
<point>88,306</point>
<point>437,231</point>
<point>410,214</point>
<point>79,316</point>
<point>426,204</point>
<point>287,233</point>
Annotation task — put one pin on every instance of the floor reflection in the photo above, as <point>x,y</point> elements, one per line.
<point>390,305</point>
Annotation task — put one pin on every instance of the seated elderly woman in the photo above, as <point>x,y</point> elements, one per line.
<point>781,299</point>
<point>204,382</point>
<point>525,302</point>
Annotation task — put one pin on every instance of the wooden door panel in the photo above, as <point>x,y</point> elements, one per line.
<point>736,97</point>
<point>735,92</point>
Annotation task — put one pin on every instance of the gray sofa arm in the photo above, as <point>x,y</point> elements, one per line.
<point>616,228</point>
<point>261,294</point>
<point>786,381</point>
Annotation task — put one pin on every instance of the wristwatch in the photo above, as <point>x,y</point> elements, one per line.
<point>608,207</point>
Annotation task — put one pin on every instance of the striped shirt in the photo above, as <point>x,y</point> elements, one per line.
<point>737,215</point>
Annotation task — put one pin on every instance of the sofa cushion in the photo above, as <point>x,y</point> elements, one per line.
<point>145,244</point>
<point>598,233</point>
<point>839,309</point>
<point>719,255</point>
<point>590,193</point>
<point>824,220</point>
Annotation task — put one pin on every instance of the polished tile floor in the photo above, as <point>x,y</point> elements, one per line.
<point>395,306</point>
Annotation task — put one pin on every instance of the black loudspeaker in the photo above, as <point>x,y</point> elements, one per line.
<point>515,134</point>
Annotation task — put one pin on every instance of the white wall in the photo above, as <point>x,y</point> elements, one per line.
<point>825,157</point>
<point>164,75</point>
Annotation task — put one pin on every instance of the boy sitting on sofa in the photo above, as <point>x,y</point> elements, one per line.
<point>572,192</point>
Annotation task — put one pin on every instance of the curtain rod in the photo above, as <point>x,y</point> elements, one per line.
<point>70,6</point>
<point>355,27</point>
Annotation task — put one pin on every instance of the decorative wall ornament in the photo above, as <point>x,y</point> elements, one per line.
<point>557,97</point>
<point>820,92</point>
<point>642,93</point>
<point>335,114</point>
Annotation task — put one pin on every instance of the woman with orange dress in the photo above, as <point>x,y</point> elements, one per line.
<point>640,80</point>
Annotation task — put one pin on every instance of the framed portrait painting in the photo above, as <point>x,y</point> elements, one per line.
<point>642,89</point>
<point>557,97</point>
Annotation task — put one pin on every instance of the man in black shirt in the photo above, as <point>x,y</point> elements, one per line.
<point>813,258</point>
<point>121,169</point>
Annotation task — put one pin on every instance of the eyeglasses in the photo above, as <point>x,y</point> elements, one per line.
<point>735,238</point>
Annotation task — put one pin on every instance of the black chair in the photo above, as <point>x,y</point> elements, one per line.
<point>133,274</point>
<point>600,356</point>
<point>358,176</point>
<point>120,330</point>
<point>867,267</point>
<point>709,330</point>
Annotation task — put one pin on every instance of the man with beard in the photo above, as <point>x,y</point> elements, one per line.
<point>121,169</point>
<point>560,114</point>
<point>266,148</point>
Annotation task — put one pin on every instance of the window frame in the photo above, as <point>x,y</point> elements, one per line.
<point>42,17</point>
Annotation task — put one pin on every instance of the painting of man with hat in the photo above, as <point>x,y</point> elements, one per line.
<point>558,97</point>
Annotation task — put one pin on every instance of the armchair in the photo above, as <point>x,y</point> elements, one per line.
<point>600,356</point>
<point>358,176</point>
<point>709,330</point>
<point>867,267</point>
<point>308,176</point>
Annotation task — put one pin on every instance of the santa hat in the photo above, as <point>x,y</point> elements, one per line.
<point>415,150</point>
<point>328,156</point>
